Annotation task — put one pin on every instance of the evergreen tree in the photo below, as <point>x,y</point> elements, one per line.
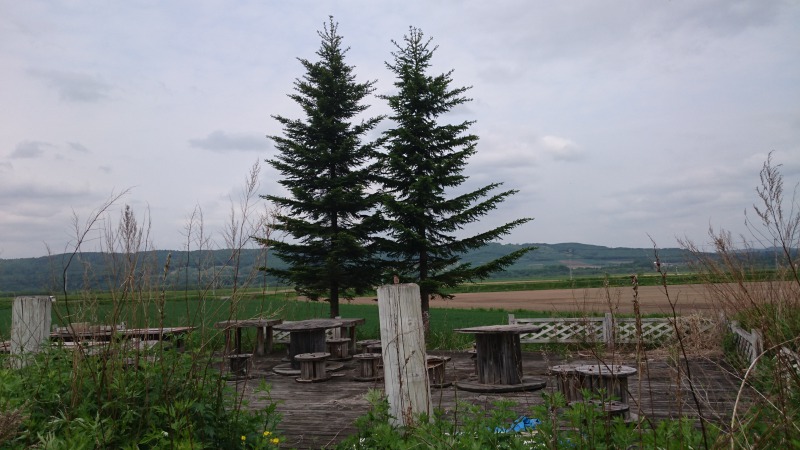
<point>425,157</point>
<point>326,169</point>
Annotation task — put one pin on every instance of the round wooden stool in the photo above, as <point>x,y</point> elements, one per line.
<point>239,363</point>
<point>609,382</point>
<point>312,367</point>
<point>568,381</point>
<point>362,345</point>
<point>368,367</point>
<point>339,348</point>
<point>436,370</point>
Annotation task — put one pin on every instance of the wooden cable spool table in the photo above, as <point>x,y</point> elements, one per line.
<point>306,336</point>
<point>499,359</point>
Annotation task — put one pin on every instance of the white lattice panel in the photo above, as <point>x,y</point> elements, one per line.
<point>652,331</point>
<point>564,331</point>
<point>582,330</point>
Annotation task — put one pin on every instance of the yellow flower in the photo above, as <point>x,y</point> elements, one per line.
<point>275,441</point>
<point>266,433</point>
<point>244,438</point>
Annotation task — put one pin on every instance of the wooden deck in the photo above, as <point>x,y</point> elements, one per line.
<point>317,415</point>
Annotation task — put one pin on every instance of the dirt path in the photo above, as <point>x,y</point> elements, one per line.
<point>687,298</point>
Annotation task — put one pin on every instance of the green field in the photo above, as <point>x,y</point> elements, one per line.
<point>203,310</point>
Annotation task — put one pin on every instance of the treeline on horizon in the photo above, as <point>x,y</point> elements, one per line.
<point>219,269</point>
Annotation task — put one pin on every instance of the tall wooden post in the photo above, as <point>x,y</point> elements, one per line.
<point>403,347</point>
<point>30,327</point>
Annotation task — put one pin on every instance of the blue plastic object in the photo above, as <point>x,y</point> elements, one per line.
<point>522,423</point>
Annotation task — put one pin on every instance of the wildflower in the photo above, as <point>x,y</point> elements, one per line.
<point>266,433</point>
<point>244,438</point>
<point>275,441</point>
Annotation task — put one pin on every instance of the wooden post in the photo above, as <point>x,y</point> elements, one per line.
<point>608,330</point>
<point>30,327</point>
<point>404,360</point>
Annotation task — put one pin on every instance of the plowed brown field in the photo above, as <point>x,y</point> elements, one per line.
<point>652,299</point>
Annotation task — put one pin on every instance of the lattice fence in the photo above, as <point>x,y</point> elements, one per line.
<point>610,330</point>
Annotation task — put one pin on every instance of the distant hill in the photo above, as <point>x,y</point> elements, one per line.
<point>100,271</point>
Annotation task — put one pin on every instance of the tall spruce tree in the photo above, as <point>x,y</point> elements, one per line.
<point>425,157</point>
<point>325,164</point>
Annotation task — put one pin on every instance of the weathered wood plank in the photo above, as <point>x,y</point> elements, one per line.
<point>316,415</point>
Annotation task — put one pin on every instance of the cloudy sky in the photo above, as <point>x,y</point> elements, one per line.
<point>617,121</point>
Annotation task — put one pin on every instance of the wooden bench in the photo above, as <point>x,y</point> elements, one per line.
<point>312,367</point>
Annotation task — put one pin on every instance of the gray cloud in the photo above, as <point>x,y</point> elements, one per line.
<point>30,149</point>
<point>78,147</point>
<point>39,194</point>
<point>561,149</point>
<point>73,86</point>
<point>221,141</point>
<point>615,122</point>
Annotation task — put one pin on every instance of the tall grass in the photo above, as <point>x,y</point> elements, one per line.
<point>770,305</point>
<point>130,394</point>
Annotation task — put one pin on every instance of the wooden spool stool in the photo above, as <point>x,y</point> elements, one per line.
<point>473,356</point>
<point>362,345</point>
<point>613,409</point>
<point>312,367</point>
<point>568,381</point>
<point>239,363</point>
<point>339,348</point>
<point>436,370</point>
<point>608,382</point>
<point>374,348</point>
<point>368,367</point>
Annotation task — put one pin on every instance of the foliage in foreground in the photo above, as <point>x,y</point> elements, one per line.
<point>770,306</point>
<point>579,426</point>
<point>71,400</point>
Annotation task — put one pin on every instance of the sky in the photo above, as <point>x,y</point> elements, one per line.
<point>621,123</point>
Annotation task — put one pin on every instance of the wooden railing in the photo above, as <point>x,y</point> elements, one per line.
<point>749,345</point>
<point>610,330</point>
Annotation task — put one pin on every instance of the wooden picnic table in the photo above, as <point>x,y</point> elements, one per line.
<point>104,333</point>
<point>499,358</point>
<point>263,334</point>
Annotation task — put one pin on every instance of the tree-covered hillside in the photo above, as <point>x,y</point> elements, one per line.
<point>100,271</point>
